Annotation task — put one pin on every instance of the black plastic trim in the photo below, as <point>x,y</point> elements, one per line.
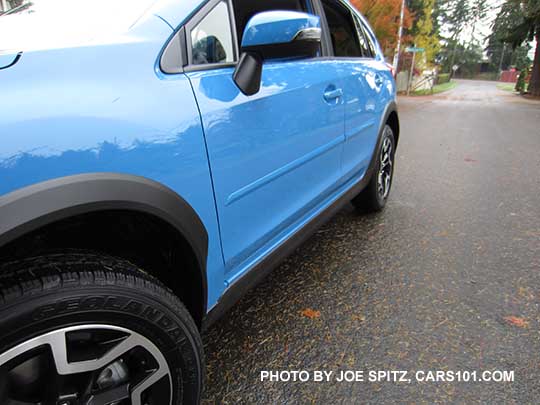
<point>32,207</point>
<point>326,42</point>
<point>196,19</point>
<point>257,273</point>
<point>183,42</point>
<point>172,59</point>
<point>14,61</point>
<point>247,74</point>
<point>293,50</point>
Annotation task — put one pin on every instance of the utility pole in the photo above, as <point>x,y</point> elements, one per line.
<point>453,59</point>
<point>502,58</point>
<point>411,73</point>
<point>400,36</point>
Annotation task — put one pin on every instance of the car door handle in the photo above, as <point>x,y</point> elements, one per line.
<point>333,94</point>
<point>379,80</point>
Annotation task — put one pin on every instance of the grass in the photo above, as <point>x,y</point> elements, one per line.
<point>438,88</point>
<point>510,87</point>
<point>506,86</point>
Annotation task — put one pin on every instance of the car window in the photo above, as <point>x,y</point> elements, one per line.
<point>342,30</point>
<point>370,40</point>
<point>211,38</point>
<point>365,46</point>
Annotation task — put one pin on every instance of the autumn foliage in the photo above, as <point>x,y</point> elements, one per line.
<point>383,16</point>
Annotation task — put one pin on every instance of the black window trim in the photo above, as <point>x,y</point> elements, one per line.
<point>194,21</point>
<point>183,34</point>
<point>368,32</point>
<point>369,38</point>
<point>327,51</point>
<point>360,31</point>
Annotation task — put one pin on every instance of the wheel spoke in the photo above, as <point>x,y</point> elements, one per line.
<point>153,378</point>
<point>59,350</point>
<point>110,396</point>
<point>86,370</point>
<point>384,178</point>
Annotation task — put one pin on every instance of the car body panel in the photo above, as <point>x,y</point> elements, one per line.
<point>256,170</point>
<point>72,23</point>
<point>176,12</point>
<point>91,113</point>
<point>272,159</point>
<point>369,89</point>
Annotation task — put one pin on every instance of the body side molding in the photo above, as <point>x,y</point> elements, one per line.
<point>32,207</point>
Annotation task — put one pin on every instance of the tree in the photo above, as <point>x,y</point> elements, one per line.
<point>478,11</point>
<point>466,56</point>
<point>383,16</point>
<point>425,36</point>
<point>522,28</point>
<point>455,15</point>
<point>502,55</point>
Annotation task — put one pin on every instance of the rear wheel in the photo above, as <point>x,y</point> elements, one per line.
<point>90,329</point>
<point>373,198</point>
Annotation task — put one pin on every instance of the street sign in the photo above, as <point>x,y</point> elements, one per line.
<point>414,49</point>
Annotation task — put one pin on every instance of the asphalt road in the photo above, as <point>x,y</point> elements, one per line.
<point>429,284</point>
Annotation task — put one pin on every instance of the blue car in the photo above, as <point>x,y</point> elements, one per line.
<point>157,159</point>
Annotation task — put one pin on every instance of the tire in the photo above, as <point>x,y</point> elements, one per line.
<point>123,334</point>
<point>372,198</point>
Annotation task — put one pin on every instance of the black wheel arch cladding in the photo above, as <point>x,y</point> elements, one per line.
<point>41,204</point>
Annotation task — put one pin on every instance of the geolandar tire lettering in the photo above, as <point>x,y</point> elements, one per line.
<point>111,330</point>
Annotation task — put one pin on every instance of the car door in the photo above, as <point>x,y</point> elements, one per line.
<point>274,156</point>
<point>364,85</point>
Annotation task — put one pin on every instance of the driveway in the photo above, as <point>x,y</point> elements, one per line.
<point>446,278</point>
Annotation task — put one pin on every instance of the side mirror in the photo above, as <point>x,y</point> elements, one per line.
<point>274,35</point>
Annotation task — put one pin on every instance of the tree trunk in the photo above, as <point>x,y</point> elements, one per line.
<point>534,84</point>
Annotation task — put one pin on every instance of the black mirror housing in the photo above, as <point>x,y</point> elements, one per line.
<point>248,73</point>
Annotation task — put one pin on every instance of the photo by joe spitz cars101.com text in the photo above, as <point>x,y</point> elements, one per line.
<point>159,158</point>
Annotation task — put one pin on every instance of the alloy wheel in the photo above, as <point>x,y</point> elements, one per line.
<point>384,178</point>
<point>85,365</point>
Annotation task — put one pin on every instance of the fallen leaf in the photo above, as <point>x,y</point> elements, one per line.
<point>360,318</point>
<point>524,292</point>
<point>517,321</point>
<point>310,313</point>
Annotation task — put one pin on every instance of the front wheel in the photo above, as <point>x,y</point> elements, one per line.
<point>373,198</point>
<point>94,330</point>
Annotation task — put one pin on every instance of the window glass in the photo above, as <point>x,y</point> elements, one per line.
<point>366,41</point>
<point>211,39</point>
<point>370,42</point>
<point>364,44</point>
<point>342,30</point>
